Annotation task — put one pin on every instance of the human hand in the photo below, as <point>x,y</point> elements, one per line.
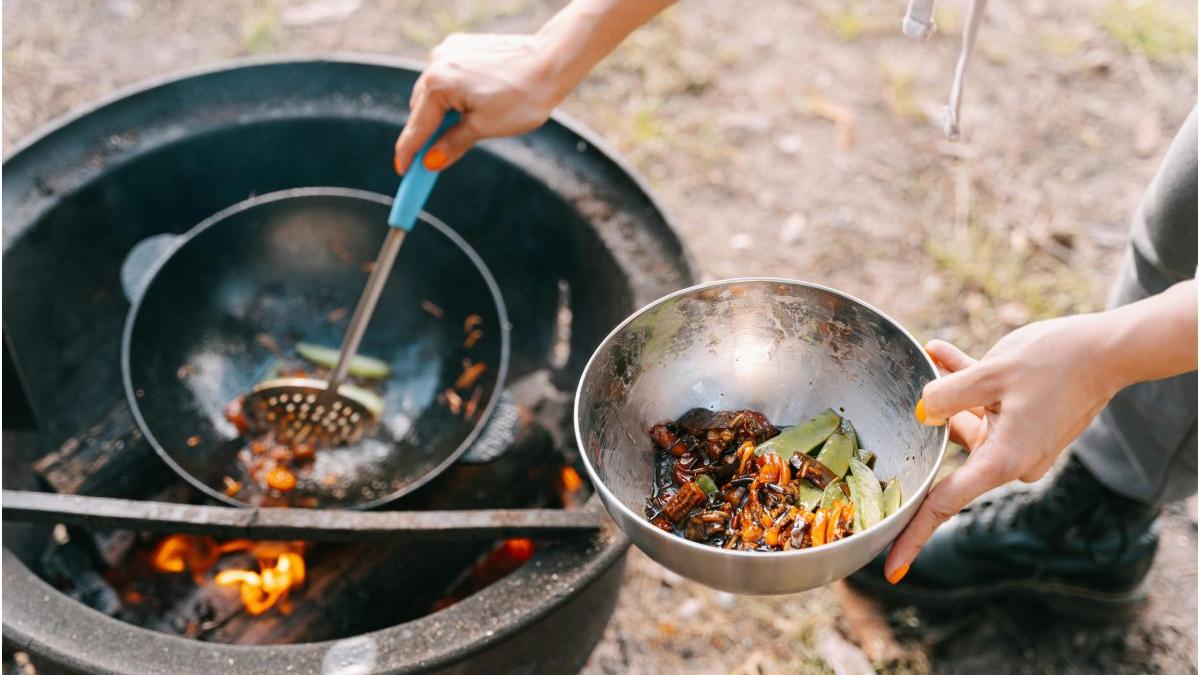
<point>1014,411</point>
<point>501,84</point>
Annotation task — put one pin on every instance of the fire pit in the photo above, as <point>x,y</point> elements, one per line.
<point>575,243</point>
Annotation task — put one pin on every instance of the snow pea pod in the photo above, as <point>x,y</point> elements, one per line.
<point>866,495</point>
<point>804,436</point>
<point>891,497</point>
<point>836,454</point>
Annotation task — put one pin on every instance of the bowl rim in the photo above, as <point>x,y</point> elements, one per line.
<point>906,511</point>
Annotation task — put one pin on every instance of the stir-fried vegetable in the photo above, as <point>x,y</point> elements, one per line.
<point>866,493</point>
<point>803,437</point>
<point>360,365</point>
<point>847,429</point>
<point>810,497</point>
<point>836,453</point>
<point>891,498</point>
<point>721,478</point>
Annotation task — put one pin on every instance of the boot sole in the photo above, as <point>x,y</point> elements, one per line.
<point>1083,604</point>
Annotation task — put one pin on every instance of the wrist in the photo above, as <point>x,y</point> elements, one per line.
<point>1109,342</point>
<point>1125,348</point>
<point>562,47</point>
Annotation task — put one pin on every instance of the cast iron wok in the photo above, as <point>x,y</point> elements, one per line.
<point>786,348</point>
<point>218,309</point>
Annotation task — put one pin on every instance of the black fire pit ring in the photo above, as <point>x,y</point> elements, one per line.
<point>83,191</point>
<point>547,615</point>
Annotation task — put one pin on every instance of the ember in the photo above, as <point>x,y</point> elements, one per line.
<point>501,561</point>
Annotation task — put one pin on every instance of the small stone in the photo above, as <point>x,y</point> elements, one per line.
<point>792,228</point>
<point>741,242</point>
<point>690,608</point>
<point>790,144</point>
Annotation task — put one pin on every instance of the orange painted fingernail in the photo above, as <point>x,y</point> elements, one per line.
<point>919,411</point>
<point>898,574</point>
<point>396,165</point>
<point>435,159</point>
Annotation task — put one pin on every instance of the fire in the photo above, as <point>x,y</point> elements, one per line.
<point>185,552</point>
<point>281,567</point>
<point>571,480</point>
<point>570,487</point>
<point>261,590</point>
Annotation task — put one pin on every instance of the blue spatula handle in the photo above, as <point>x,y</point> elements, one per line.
<point>418,182</point>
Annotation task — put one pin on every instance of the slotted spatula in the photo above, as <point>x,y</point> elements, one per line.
<point>329,412</point>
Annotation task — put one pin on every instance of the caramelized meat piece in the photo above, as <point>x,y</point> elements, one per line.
<point>704,526</point>
<point>666,437</point>
<point>685,467</point>
<point>717,442</point>
<point>689,497</point>
<point>663,435</point>
<point>807,467</point>
<point>746,425</point>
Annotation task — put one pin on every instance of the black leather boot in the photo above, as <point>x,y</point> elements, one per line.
<point>1074,546</point>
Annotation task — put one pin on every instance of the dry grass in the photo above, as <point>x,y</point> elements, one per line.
<point>1158,31</point>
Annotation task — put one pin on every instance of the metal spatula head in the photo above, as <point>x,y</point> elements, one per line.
<point>303,410</point>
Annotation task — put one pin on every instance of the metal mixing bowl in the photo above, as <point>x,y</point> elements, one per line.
<point>786,348</point>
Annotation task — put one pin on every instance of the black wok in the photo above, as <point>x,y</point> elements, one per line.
<point>220,308</point>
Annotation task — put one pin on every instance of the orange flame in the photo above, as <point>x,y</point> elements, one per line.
<point>281,567</point>
<point>279,572</point>
<point>571,480</point>
<point>570,487</point>
<point>185,552</point>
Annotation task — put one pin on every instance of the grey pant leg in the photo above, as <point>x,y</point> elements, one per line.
<point>1143,444</point>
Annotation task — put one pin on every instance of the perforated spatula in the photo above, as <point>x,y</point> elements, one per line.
<point>328,412</point>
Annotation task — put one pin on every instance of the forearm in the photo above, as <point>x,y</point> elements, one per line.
<point>1152,338</point>
<point>586,31</point>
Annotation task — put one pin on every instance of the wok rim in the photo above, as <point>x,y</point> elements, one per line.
<point>906,511</point>
<point>293,193</point>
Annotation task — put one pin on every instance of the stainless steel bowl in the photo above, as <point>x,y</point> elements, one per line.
<point>786,348</point>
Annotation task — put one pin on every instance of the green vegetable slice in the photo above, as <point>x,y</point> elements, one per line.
<point>836,454</point>
<point>369,399</point>
<point>848,431</point>
<point>804,436</point>
<point>706,484</point>
<point>866,457</point>
<point>856,500</point>
<point>891,497</point>
<point>832,495</point>
<point>360,365</point>
<point>866,494</point>
<point>810,497</point>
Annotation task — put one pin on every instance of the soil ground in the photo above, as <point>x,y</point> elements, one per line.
<point>795,139</point>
